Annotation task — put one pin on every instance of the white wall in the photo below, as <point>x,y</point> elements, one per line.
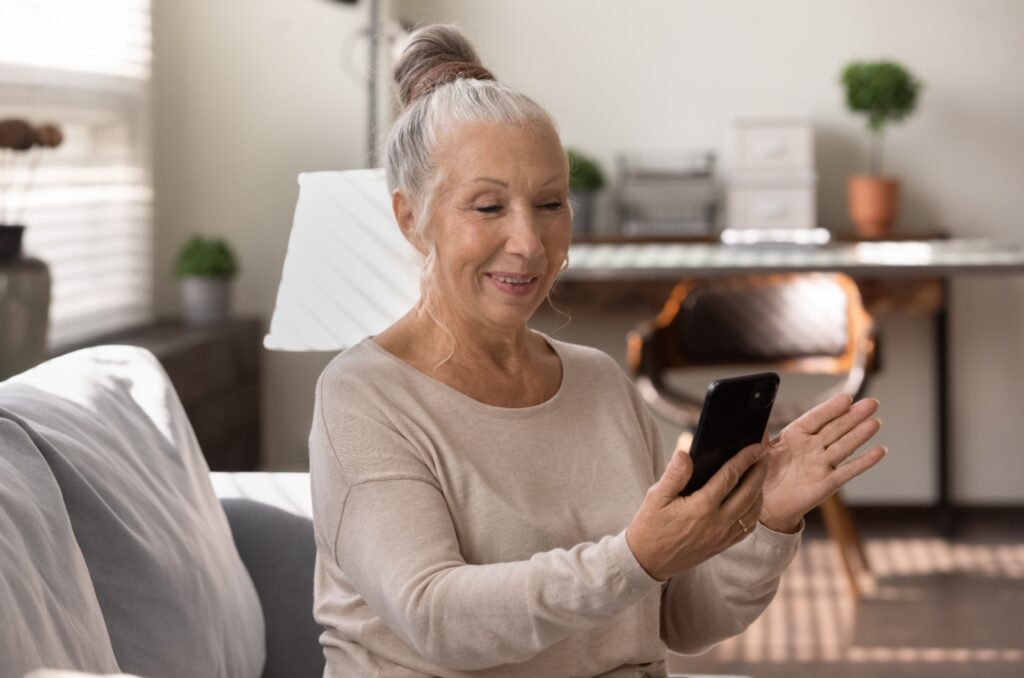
<point>248,94</point>
<point>651,74</point>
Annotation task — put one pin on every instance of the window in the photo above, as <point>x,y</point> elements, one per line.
<point>84,66</point>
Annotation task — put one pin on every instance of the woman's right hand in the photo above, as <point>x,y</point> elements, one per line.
<point>670,533</point>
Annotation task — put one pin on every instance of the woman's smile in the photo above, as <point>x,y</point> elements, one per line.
<point>514,284</point>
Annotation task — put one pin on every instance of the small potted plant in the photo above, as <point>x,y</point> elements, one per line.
<point>585,180</point>
<point>206,267</point>
<point>885,92</point>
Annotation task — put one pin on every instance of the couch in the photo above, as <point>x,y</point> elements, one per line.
<point>121,552</point>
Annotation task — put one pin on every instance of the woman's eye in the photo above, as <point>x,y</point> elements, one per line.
<point>489,209</point>
<point>552,206</point>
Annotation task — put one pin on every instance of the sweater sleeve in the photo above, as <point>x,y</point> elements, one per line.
<point>722,596</point>
<point>382,517</point>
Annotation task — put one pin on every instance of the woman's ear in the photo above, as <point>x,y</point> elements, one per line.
<point>406,218</point>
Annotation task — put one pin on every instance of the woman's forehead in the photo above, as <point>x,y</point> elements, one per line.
<point>501,151</point>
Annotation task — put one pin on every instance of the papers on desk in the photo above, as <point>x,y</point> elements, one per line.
<point>786,237</point>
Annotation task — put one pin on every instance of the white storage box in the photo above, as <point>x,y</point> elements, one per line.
<point>772,201</point>
<point>770,142</point>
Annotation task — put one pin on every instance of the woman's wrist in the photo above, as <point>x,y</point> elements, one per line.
<point>642,558</point>
<point>779,524</point>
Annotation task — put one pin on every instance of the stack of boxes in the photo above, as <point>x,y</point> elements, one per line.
<point>770,159</point>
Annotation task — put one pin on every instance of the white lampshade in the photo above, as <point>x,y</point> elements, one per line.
<point>348,273</point>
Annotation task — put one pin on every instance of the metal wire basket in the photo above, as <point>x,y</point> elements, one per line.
<point>666,193</point>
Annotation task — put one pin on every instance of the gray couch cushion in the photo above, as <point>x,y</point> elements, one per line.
<point>49,615</point>
<point>175,597</point>
<point>278,549</point>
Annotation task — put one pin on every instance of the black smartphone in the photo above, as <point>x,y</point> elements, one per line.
<point>735,414</point>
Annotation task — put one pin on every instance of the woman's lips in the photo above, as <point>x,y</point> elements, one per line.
<point>512,288</point>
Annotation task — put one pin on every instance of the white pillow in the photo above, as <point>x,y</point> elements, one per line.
<point>175,596</point>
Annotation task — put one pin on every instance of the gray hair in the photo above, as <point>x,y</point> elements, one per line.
<point>441,85</point>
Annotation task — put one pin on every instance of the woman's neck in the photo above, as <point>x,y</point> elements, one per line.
<point>518,369</point>
<point>472,346</point>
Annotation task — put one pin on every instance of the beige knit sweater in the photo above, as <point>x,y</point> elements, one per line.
<point>456,538</point>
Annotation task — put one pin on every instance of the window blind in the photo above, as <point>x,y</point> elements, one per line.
<point>84,66</point>
<point>103,37</point>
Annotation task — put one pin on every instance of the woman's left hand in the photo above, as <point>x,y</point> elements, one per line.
<point>805,461</point>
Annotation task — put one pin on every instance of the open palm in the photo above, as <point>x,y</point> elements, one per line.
<point>810,458</point>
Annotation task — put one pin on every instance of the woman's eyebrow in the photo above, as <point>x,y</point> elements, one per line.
<point>499,182</point>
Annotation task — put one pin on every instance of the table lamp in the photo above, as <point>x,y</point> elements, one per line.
<point>348,272</point>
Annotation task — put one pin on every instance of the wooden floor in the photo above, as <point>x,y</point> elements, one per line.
<point>935,609</point>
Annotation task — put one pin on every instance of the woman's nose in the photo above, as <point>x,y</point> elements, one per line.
<point>524,238</point>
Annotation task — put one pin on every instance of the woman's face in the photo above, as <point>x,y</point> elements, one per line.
<point>500,221</point>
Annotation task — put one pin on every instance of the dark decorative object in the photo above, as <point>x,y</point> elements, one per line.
<point>10,242</point>
<point>18,137</point>
<point>24,282</point>
<point>24,314</point>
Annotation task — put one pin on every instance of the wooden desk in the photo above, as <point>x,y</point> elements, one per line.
<point>893,276</point>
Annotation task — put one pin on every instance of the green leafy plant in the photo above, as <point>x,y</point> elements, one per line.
<point>883,91</point>
<point>206,258</point>
<point>584,172</point>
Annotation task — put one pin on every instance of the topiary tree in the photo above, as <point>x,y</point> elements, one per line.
<point>885,92</point>
<point>584,173</point>
<point>206,258</point>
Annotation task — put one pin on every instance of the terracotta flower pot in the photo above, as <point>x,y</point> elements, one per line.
<point>873,203</point>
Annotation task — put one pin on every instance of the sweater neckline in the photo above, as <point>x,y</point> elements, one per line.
<point>495,410</point>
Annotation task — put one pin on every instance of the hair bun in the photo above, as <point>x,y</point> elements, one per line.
<point>435,55</point>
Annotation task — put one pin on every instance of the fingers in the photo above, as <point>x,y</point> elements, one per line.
<point>840,426</point>
<point>726,478</point>
<point>814,419</point>
<point>853,468</point>
<point>838,451</point>
<point>674,479</point>
<point>747,492</point>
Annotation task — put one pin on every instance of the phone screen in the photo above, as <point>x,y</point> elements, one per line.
<point>735,414</point>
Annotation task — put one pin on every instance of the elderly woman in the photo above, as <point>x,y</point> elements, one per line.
<point>490,501</point>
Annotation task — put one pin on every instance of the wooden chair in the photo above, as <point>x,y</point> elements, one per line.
<point>790,323</point>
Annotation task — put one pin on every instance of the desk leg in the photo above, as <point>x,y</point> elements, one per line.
<point>945,507</point>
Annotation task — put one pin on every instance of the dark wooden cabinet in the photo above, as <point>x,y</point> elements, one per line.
<point>215,370</point>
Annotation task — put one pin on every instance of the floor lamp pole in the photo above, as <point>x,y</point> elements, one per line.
<point>371,116</point>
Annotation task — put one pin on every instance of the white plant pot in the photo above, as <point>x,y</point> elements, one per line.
<point>583,212</point>
<point>205,300</point>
